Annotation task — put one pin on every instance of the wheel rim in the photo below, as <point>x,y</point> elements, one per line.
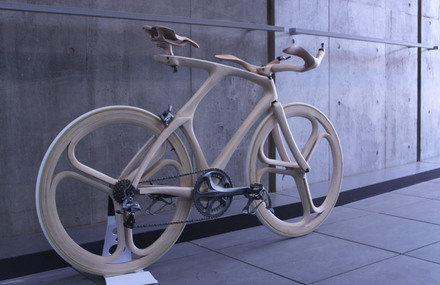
<point>53,202</point>
<point>320,146</point>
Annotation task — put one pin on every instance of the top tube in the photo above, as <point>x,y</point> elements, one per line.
<point>217,68</point>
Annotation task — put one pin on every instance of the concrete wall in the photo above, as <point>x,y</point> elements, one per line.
<point>369,90</point>
<point>430,103</point>
<point>54,68</point>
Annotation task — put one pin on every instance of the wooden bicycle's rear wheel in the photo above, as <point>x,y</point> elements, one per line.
<point>74,188</point>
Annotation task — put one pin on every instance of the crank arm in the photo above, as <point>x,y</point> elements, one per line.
<point>221,192</point>
<point>253,189</point>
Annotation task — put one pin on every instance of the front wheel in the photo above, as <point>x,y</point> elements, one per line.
<point>306,199</point>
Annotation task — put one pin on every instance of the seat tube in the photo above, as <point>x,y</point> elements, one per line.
<point>280,116</point>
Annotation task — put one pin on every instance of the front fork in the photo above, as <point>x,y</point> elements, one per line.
<point>304,167</point>
<point>285,129</point>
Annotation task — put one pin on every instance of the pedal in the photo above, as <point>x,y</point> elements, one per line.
<point>257,192</point>
<point>155,198</point>
<point>246,208</point>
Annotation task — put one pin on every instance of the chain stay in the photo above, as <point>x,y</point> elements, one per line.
<point>171,223</point>
<point>170,178</point>
<point>245,209</point>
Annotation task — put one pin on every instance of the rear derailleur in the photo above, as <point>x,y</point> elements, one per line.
<point>123,193</point>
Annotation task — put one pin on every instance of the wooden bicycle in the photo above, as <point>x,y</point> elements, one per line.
<point>153,168</point>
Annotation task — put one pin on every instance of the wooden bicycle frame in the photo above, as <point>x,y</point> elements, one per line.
<point>151,159</point>
<point>185,116</point>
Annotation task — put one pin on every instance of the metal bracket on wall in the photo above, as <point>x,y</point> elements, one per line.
<point>298,31</point>
<point>23,7</point>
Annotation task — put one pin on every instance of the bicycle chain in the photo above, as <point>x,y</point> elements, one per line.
<point>170,178</point>
<point>176,176</point>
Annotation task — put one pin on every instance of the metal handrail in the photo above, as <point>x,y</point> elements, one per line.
<point>23,7</point>
<point>72,11</point>
<point>298,31</point>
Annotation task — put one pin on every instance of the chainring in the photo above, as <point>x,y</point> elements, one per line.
<point>208,201</point>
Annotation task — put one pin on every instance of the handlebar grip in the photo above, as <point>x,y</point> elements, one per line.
<point>299,51</point>
<point>310,62</point>
<point>321,53</point>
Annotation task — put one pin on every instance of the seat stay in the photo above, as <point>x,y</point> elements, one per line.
<point>156,147</point>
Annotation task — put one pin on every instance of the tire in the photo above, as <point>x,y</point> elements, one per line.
<point>101,143</point>
<point>319,144</point>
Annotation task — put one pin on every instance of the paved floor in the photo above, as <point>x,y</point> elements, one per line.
<point>393,238</point>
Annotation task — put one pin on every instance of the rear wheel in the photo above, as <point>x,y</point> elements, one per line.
<point>74,188</point>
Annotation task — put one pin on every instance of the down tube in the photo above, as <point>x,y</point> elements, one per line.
<point>263,105</point>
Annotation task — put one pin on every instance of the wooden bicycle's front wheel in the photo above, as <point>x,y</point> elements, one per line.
<point>74,189</point>
<point>305,200</point>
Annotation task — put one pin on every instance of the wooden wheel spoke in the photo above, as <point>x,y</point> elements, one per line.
<point>82,178</point>
<point>87,169</point>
